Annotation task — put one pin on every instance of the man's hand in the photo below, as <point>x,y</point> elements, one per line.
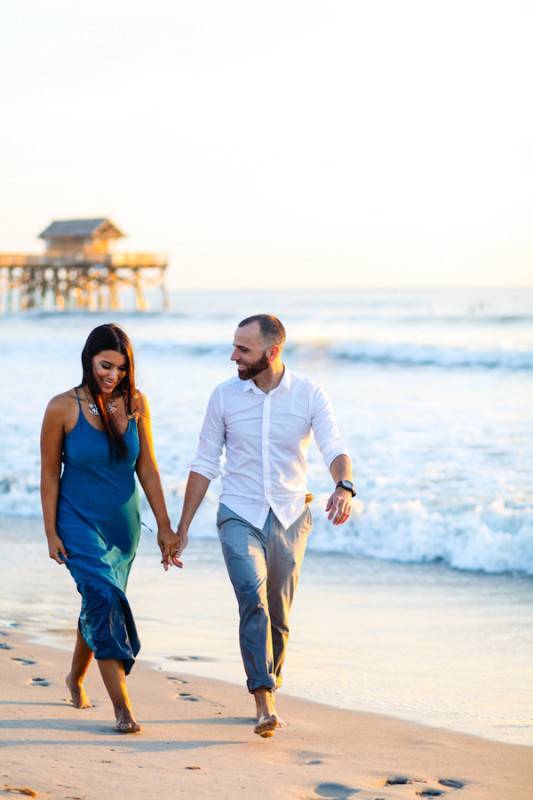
<point>339,506</point>
<point>183,539</point>
<point>168,544</point>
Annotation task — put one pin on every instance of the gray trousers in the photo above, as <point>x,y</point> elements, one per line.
<point>263,566</point>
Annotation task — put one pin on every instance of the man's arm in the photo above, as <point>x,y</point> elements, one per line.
<point>204,468</point>
<point>339,504</point>
<point>197,486</point>
<point>341,468</point>
<point>335,455</point>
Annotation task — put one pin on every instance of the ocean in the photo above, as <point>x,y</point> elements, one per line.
<point>433,390</point>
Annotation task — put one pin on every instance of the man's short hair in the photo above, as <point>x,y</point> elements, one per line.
<point>271,328</point>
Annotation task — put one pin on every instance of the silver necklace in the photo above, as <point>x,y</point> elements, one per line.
<point>111,406</point>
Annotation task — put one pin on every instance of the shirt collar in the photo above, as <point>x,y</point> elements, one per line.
<point>285,383</point>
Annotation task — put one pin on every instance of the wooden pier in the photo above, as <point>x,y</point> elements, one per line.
<point>78,270</point>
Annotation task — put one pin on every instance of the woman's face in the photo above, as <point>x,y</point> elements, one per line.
<point>109,368</point>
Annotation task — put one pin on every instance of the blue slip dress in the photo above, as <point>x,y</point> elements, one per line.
<point>99,522</point>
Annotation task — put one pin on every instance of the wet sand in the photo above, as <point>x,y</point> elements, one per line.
<point>198,742</point>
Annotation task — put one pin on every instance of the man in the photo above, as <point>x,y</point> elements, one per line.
<point>264,418</point>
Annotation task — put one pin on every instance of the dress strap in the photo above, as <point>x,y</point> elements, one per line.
<point>77,397</point>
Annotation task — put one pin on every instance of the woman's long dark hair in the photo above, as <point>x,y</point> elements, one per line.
<point>110,337</point>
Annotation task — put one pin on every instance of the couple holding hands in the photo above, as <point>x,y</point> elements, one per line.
<point>97,437</point>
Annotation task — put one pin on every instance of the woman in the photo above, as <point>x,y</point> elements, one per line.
<point>101,431</point>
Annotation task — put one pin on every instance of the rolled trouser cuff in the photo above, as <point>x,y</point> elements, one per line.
<point>261,682</point>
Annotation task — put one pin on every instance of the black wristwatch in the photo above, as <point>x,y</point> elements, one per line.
<point>348,485</point>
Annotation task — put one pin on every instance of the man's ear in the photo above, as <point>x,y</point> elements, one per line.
<point>273,353</point>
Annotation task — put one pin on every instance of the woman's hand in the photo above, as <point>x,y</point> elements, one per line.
<point>168,544</point>
<point>56,549</point>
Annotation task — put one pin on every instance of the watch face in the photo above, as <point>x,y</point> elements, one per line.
<point>348,486</point>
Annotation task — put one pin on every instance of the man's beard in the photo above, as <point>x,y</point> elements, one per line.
<point>254,369</point>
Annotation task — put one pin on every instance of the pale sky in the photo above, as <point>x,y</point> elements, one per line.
<point>339,143</point>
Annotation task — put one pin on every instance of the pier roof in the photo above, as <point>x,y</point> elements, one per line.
<point>81,228</point>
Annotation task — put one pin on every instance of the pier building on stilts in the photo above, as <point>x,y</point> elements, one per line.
<point>79,269</point>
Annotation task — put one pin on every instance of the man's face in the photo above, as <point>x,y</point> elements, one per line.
<point>249,352</point>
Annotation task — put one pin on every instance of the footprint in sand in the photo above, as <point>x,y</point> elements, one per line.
<point>430,793</point>
<point>335,791</point>
<point>187,696</point>
<point>450,783</point>
<point>40,682</point>
<point>26,662</point>
<point>398,780</point>
<point>190,658</point>
<point>5,646</point>
<point>308,758</point>
<point>176,680</point>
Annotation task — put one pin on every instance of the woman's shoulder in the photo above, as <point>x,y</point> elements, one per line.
<point>64,400</point>
<point>61,405</point>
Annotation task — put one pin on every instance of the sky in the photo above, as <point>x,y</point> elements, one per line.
<point>271,144</point>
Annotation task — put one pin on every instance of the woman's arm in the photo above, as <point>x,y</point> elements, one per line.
<point>52,433</point>
<point>150,480</point>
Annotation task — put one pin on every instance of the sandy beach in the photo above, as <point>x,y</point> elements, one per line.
<point>198,741</point>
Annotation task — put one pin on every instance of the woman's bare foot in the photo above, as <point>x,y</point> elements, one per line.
<point>79,696</point>
<point>126,723</point>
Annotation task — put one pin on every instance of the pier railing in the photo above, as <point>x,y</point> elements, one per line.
<point>51,259</point>
<point>81,280</point>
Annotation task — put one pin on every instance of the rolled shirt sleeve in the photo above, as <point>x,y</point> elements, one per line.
<point>325,428</point>
<point>211,441</point>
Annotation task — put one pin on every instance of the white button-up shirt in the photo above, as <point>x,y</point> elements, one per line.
<point>266,437</point>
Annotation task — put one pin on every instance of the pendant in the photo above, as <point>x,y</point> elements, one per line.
<point>94,410</point>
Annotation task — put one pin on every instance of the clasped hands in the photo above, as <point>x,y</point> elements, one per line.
<point>172,546</point>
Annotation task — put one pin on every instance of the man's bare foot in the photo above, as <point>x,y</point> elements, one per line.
<point>126,723</point>
<point>267,718</point>
<point>266,725</point>
<point>78,695</point>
